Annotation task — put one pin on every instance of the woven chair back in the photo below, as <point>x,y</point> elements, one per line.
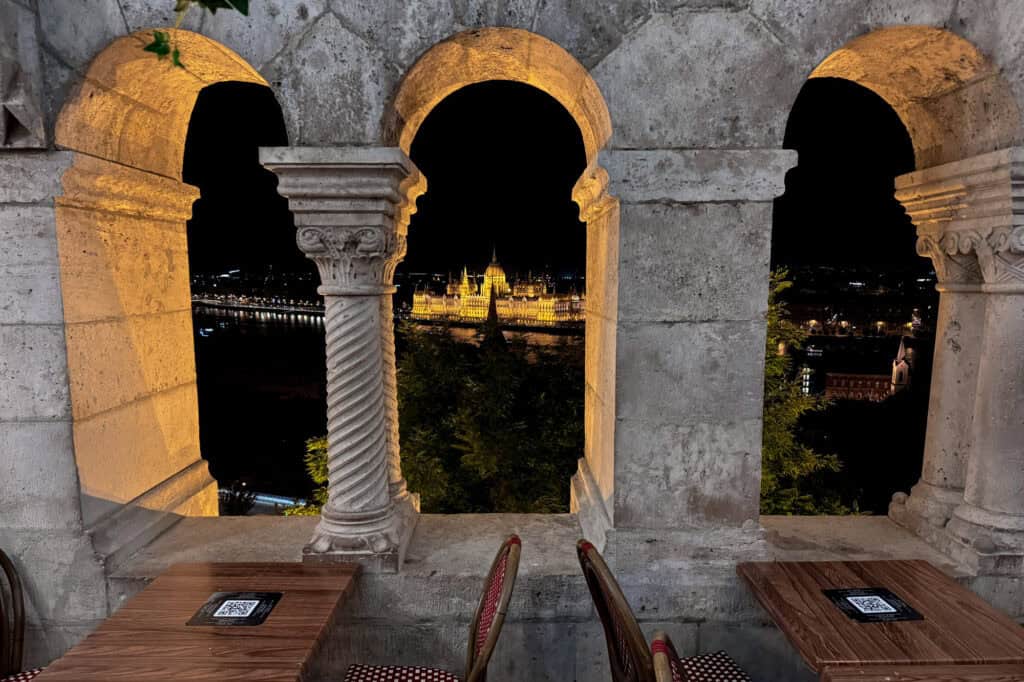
<point>628,655</point>
<point>490,614</point>
<point>12,618</point>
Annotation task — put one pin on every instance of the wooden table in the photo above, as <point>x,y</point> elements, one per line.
<point>147,639</point>
<point>960,638</point>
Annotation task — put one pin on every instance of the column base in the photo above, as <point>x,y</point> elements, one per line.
<point>586,502</point>
<point>926,510</point>
<point>989,543</point>
<point>376,540</point>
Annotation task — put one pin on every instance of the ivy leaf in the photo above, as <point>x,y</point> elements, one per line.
<point>161,45</point>
<point>176,58</point>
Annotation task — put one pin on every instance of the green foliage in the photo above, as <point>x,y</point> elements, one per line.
<point>162,46</point>
<point>791,472</point>
<point>316,466</point>
<point>491,428</point>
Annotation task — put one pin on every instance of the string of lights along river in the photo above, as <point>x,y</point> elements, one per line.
<point>262,389</point>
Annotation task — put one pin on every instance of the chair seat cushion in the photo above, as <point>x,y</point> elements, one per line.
<point>23,677</point>
<point>716,667</point>
<point>396,673</point>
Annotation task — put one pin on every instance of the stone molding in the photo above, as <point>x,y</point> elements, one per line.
<point>969,218</point>
<point>94,184</point>
<point>697,175</point>
<point>586,502</point>
<point>21,112</point>
<point>591,194</point>
<point>352,206</point>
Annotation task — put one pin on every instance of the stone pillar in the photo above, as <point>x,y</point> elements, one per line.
<point>966,221</point>
<point>991,519</point>
<point>959,327</point>
<point>351,208</point>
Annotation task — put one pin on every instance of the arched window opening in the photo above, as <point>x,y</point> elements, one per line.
<point>491,305</point>
<point>862,294</point>
<point>257,320</point>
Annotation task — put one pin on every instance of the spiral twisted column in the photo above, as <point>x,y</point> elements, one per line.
<point>351,211</point>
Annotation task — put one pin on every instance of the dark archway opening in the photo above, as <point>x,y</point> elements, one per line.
<point>258,333</point>
<point>859,288</point>
<point>491,412</point>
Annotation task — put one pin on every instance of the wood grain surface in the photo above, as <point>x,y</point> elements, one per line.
<point>147,639</point>
<point>953,672</point>
<point>958,627</point>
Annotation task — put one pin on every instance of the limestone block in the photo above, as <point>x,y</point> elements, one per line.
<point>599,343</point>
<point>694,262</point>
<point>77,31</point>
<point>28,235</point>
<point>690,372</point>
<point>603,235</point>
<point>63,580</point>
<point>759,648</point>
<point>477,13</point>
<point>695,475</point>
<point>126,451</point>
<point>21,111</point>
<point>58,80</point>
<point>693,175</point>
<point>403,29</point>
<point>31,177</point>
<point>272,27</point>
<point>599,425</point>
<point>332,86</point>
<point>120,265</point>
<point>30,294</point>
<point>38,479</point>
<point>696,79</point>
<point>115,362</point>
<point>587,29</point>
<point>974,119</point>
<point>146,14</point>
<point>33,373</point>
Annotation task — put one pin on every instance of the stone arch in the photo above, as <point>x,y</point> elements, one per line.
<point>124,277</point>
<point>512,54</point>
<point>951,97</point>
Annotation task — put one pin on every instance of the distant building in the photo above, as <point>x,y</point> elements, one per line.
<point>525,303</point>
<point>873,385</point>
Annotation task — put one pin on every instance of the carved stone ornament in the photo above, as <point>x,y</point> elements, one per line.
<point>21,117</point>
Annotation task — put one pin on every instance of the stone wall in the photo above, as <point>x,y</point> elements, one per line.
<point>698,91</point>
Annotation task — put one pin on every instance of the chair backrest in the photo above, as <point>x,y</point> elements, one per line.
<point>12,618</point>
<point>628,656</point>
<point>490,614</point>
<point>667,666</point>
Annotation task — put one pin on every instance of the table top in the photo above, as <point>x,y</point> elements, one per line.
<point>147,639</point>
<point>958,628</point>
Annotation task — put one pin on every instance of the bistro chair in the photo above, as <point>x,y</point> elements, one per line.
<point>12,624</point>
<point>628,655</point>
<point>716,667</point>
<point>483,632</point>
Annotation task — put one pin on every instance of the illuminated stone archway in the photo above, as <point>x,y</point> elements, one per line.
<point>121,234</point>
<point>963,121</point>
<point>510,54</point>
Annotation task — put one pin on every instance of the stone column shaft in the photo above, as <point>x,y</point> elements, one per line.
<point>352,207</point>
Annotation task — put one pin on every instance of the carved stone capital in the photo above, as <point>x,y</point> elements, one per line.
<point>352,207</point>
<point>969,219</point>
<point>591,193</point>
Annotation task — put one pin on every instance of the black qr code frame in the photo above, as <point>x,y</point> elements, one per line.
<point>902,610</point>
<point>205,614</point>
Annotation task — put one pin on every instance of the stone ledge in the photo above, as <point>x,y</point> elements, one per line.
<point>697,175</point>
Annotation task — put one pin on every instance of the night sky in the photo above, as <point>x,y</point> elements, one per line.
<point>501,159</point>
<point>839,208</point>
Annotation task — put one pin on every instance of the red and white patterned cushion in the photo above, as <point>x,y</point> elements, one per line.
<point>716,667</point>
<point>396,673</point>
<point>23,677</point>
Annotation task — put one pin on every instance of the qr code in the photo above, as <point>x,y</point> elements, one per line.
<point>871,604</point>
<point>237,608</point>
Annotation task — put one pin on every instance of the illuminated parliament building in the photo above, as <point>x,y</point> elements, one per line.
<point>526,303</point>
